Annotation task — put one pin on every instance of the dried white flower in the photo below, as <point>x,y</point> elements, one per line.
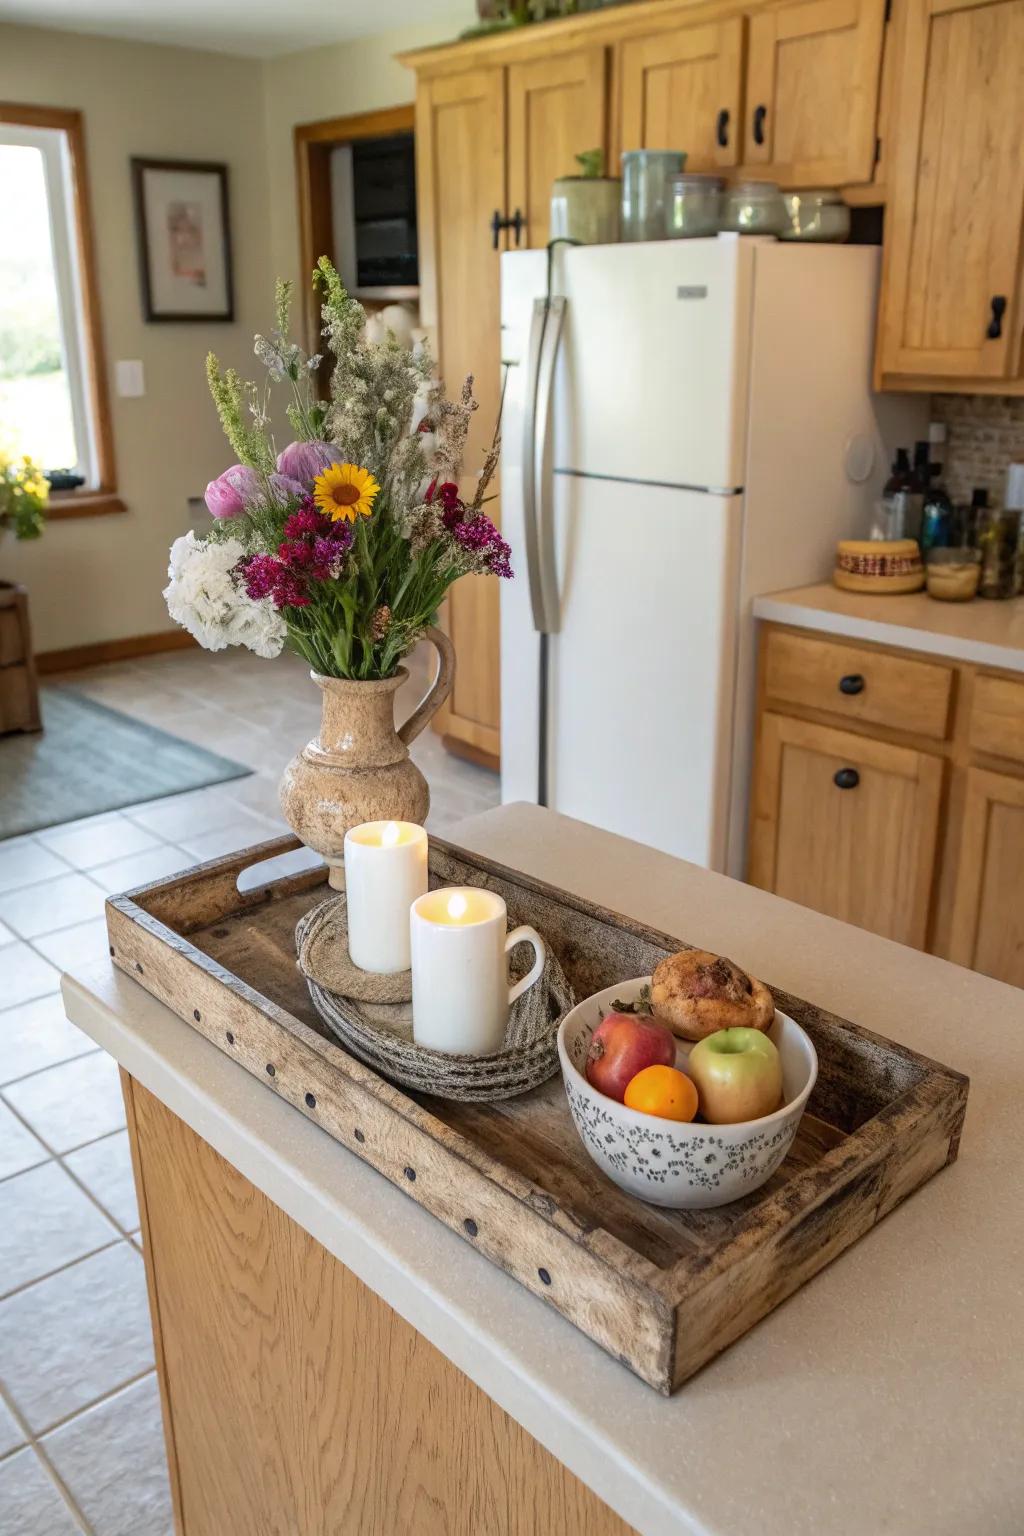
<point>204,597</point>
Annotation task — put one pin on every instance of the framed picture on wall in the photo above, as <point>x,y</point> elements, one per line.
<point>184,236</point>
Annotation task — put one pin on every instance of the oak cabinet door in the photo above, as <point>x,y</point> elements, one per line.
<point>682,89</point>
<point>988,911</point>
<point>460,149</point>
<point>813,75</point>
<point>556,110</point>
<point>950,304</point>
<point>846,825</point>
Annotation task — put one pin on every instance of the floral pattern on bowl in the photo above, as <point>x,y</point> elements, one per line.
<point>684,1166</point>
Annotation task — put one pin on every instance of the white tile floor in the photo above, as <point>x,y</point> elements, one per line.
<point>81,1448</point>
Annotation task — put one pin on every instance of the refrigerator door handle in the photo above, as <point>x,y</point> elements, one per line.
<point>529,463</point>
<point>544,520</point>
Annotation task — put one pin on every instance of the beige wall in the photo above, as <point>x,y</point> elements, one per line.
<point>95,579</point>
<point>336,80</point>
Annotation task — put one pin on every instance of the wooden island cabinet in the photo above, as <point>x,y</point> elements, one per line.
<point>888,791</point>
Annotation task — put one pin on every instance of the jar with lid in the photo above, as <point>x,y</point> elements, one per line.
<point>753,208</point>
<point>997,536</point>
<point>646,180</point>
<point>692,208</point>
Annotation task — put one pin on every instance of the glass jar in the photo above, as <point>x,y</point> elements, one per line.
<point>586,209</point>
<point>693,206</point>
<point>952,574</point>
<point>997,537</point>
<point>646,179</point>
<point>753,208</point>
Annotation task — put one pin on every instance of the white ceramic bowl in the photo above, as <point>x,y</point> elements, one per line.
<point>687,1167</point>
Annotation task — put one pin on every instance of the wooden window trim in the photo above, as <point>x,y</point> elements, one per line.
<point>94,501</point>
<point>313,145</point>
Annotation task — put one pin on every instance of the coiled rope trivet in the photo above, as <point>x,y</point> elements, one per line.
<point>372,1018</point>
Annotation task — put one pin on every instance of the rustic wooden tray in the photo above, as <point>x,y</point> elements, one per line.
<point>662,1290</point>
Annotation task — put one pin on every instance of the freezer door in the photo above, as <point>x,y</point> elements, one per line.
<point>652,383</point>
<point>642,667</point>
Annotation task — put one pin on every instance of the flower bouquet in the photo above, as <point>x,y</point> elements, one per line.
<point>340,547</point>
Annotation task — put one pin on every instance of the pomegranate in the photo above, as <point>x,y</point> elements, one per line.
<point>621,1046</point>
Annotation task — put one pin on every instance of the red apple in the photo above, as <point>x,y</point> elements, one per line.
<point>621,1046</point>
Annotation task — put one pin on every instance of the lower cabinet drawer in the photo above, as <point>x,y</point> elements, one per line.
<point>846,825</point>
<point>997,717</point>
<point>857,683</point>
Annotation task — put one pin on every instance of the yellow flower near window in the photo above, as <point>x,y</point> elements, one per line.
<point>345,490</point>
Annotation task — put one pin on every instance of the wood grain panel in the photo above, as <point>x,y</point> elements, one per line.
<point>673,86</point>
<point>460,168</point>
<point>906,695</point>
<point>299,1403</point>
<point>988,915</point>
<point>997,717</point>
<point>957,192</point>
<point>865,855</point>
<point>556,110</point>
<point>815,68</point>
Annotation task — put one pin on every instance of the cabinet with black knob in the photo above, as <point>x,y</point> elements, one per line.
<point>952,309</point>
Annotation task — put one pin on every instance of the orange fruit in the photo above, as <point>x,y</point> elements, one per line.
<point>663,1091</point>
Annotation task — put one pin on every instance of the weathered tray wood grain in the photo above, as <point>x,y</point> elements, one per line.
<point>662,1290</point>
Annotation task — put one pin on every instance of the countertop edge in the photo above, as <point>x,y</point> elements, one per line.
<point>780,610</point>
<point>594,1458</point>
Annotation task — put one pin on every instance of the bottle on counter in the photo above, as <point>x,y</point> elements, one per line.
<point>997,535</point>
<point>969,517</point>
<point>937,516</point>
<point>1014,501</point>
<point>891,512</point>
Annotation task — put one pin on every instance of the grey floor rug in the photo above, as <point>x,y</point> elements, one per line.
<point>90,759</point>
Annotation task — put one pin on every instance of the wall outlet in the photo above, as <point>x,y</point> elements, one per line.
<point>131,381</point>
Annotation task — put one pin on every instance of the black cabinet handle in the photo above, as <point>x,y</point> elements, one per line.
<point>516,223</point>
<point>851,683</point>
<point>760,113</point>
<point>995,325</point>
<point>846,778</point>
<point>722,128</point>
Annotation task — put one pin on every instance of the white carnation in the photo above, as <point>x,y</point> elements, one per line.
<point>204,598</point>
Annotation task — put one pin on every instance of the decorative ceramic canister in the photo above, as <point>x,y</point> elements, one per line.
<point>358,768</point>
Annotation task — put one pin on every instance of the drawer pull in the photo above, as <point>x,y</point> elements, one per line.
<point>846,778</point>
<point>853,682</point>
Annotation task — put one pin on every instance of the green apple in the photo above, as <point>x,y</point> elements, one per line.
<point>738,1073</point>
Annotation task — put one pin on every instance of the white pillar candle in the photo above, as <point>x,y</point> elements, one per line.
<point>385,871</point>
<point>460,991</point>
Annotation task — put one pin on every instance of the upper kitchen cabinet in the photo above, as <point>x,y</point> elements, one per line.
<point>813,75</point>
<point>682,88</point>
<point>460,174</point>
<point>951,309</point>
<point>557,109</point>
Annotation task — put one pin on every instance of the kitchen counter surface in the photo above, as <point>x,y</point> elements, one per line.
<point>886,1396</point>
<point>988,633</point>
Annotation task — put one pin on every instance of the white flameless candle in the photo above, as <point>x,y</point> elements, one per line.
<point>460,989</point>
<point>385,871</point>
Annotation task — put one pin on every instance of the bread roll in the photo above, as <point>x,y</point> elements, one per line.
<point>697,993</point>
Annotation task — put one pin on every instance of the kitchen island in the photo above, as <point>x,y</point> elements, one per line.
<point>886,1396</point>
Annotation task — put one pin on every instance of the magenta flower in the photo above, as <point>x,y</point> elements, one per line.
<point>479,537</point>
<point>233,491</point>
<point>304,461</point>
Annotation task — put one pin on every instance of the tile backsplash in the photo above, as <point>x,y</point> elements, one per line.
<point>984,433</point>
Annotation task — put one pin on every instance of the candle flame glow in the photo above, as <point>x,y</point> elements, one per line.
<point>389,837</point>
<point>457,905</point>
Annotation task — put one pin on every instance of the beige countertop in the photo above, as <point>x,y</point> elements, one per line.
<point>988,633</point>
<point>886,1398</point>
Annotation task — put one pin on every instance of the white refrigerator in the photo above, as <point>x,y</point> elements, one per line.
<point>687,423</point>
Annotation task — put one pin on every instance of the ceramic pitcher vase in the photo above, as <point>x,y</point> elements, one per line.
<point>358,768</point>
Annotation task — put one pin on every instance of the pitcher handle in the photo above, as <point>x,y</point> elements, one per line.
<point>439,689</point>
<point>526,935</point>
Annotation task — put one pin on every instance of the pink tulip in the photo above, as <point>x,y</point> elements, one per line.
<point>231,492</point>
<point>304,461</point>
<point>284,489</point>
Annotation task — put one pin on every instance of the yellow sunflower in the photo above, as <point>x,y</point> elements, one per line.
<point>345,490</point>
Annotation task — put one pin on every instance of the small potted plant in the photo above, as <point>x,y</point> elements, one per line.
<point>23,497</point>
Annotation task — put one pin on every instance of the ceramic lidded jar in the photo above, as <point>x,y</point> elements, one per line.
<point>358,768</point>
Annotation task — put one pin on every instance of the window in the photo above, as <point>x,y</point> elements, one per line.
<point>52,392</point>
